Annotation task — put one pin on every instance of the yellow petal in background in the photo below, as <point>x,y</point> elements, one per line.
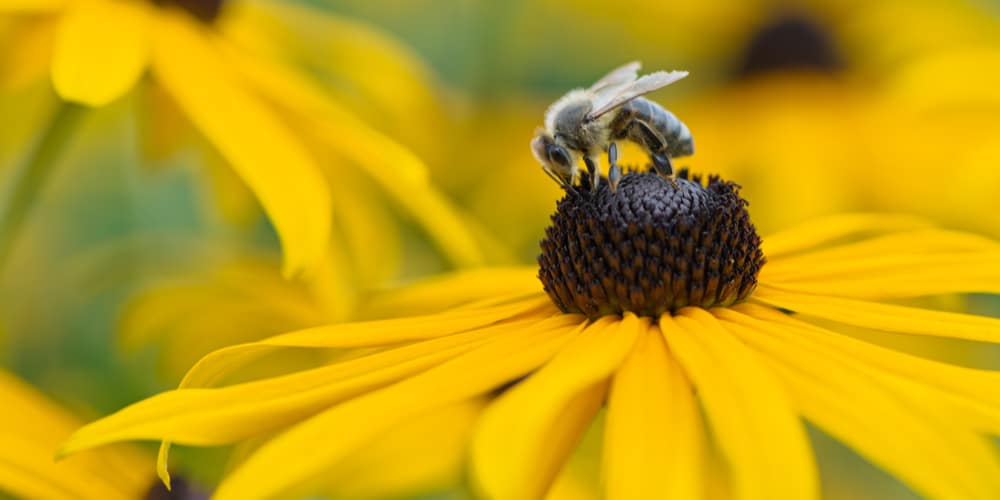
<point>346,335</point>
<point>524,438</point>
<point>265,152</point>
<point>306,450</point>
<point>102,47</point>
<point>400,173</point>
<point>654,442</point>
<point>29,437</point>
<point>452,289</point>
<point>757,429</point>
<point>26,53</point>
<point>30,6</point>
<point>381,80</point>
<point>819,232</point>
<point>369,231</point>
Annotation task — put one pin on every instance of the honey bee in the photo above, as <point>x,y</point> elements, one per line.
<point>586,122</point>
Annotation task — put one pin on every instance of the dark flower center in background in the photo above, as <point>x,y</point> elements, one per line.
<point>790,41</point>
<point>205,10</point>
<point>651,247</point>
<point>180,490</point>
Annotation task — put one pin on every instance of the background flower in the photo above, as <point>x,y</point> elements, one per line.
<point>823,105</point>
<point>220,67</point>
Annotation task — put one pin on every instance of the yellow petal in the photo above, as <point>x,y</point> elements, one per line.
<point>29,438</point>
<point>756,426</point>
<point>28,54</point>
<point>972,393</point>
<point>293,457</point>
<point>927,242</point>
<point>101,49</point>
<point>820,232</point>
<point>885,317</point>
<point>379,78</point>
<point>28,471</point>
<point>221,362</point>
<point>31,6</point>
<point>369,231</point>
<point>653,439</point>
<point>265,152</point>
<point>931,454</point>
<point>400,173</point>
<point>223,415</point>
<point>891,276</point>
<point>811,268</point>
<point>361,334</point>
<point>524,438</point>
<point>387,468</point>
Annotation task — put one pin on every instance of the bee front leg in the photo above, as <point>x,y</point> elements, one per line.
<point>595,174</point>
<point>614,170</point>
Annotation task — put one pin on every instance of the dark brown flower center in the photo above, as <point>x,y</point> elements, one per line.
<point>180,490</point>
<point>789,42</point>
<point>651,247</point>
<point>205,10</point>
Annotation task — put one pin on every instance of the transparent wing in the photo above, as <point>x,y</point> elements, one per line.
<point>618,76</point>
<point>644,85</point>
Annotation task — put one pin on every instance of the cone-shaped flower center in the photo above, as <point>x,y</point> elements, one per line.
<point>205,10</point>
<point>651,247</point>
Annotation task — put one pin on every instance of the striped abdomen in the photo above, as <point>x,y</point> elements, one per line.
<point>647,123</point>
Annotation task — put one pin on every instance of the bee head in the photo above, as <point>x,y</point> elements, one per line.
<point>548,152</point>
<point>557,160</point>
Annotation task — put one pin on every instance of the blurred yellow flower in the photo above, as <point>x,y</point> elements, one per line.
<point>224,68</point>
<point>674,331</point>
<point>32,429</point>
<point>824,106</point>
<point>242,298</point>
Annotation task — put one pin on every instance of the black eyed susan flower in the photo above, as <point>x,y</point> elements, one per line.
<point>236,74</point>
<point>659,303</point>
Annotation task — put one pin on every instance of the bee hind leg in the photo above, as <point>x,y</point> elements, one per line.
<point>614,170</point>
<point>595,174</point>
<point>663,164</point>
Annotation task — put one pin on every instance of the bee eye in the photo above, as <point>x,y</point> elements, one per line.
<point>558,155</point>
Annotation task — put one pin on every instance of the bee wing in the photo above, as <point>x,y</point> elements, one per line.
<point>606,101</point>
<point>618,76</point>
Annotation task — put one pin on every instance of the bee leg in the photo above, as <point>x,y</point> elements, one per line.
<point>595,175</point>
<point>559,180</point>
<point>614,170</point>
<point>663,164</point>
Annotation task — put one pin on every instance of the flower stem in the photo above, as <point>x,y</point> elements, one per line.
<point>26,183</point>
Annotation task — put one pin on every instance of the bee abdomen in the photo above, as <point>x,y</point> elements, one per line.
<point>677,140</point>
